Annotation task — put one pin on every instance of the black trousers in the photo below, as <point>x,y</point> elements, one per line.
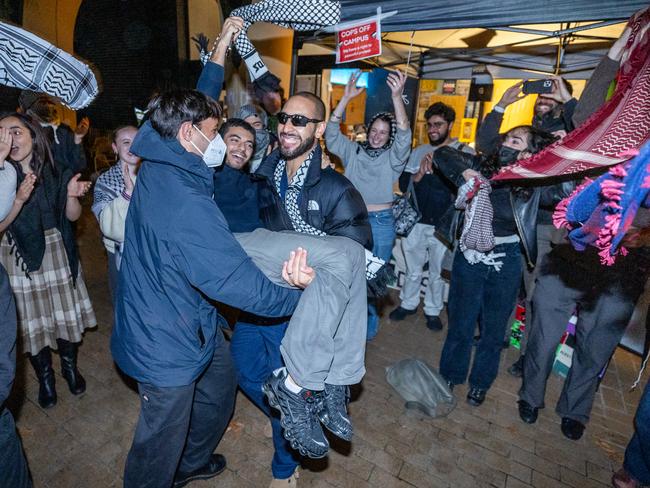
<point>179,427</point>
<point>602,319</point>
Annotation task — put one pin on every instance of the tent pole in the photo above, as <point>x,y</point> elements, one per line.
<point>416,101</point>
<point>560,32</point>
<point>295,47</point>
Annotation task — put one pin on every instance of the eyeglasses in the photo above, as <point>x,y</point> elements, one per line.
<point>296,120</point>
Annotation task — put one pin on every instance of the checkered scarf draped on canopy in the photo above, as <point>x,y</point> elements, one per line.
<point>606,138</point>
<point>31,63</point>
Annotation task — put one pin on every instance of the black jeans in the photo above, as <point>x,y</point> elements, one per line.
<point>179,427</point>
<point>13,466</point>
<point>479,292</point>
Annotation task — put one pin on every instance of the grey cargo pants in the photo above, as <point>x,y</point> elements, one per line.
<point>326,338</point>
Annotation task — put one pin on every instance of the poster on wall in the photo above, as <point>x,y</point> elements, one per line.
<point>359,40</point>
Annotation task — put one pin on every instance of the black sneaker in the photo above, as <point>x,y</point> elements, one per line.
<point>297,415</point>
<point>476,396</point>
<point>400,314</point>
<point>527,412</point>
<point>333,411</point>
<point>433,322</point>
<point>216,465</point>
<point>517,368</point>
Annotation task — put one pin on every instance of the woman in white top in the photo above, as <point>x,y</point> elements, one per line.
<point>111,198</point>
<point>375,165</point>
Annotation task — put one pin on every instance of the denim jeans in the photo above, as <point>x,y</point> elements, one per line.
<point>13,466</point>
<point>255,351</point>
<point>383,237</point>
<point>479,293</point>
<point>637,454</point>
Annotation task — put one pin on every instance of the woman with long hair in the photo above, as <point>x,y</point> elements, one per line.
<point>39,251</point>
<point>374,166</point>
<point>485,282</point>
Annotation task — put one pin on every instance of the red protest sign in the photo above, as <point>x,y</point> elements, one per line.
<point>360,41</point>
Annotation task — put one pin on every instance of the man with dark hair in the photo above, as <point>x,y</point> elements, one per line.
<point>325,200</point>
<point>239,137</point>
<point>434,195</point>
<point>553,113</point>
<point>179,257</point>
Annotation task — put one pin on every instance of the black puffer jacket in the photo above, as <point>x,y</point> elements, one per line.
<point>328,202</point>
<point>525,204</point>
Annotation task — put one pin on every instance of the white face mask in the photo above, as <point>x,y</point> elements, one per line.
<point>215,152</point>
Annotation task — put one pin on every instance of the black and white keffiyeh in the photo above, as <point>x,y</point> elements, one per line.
<point>299,15</point>
<point>109,186</point>
<point>377,273</point>
<point>477,239</point>
<point>374,152</point>
<point>31,63</point>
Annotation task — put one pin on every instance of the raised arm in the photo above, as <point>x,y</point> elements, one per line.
<point>595,92</point>
<point>336,142</point>
<point>211,80</point>
<point>13,200</point>
<point>487,138</point>
<point>401,147</point>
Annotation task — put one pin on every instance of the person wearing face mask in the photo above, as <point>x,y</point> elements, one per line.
<point>66,144</point>
<point>265,141</point>
<point>484,285</point>
<point>179,259</point>
<point>111,198</point>
<point>374,166</point>
<point>434,195</point>
<point>553,113</point>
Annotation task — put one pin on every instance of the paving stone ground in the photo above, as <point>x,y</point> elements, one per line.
<point>83,441</point>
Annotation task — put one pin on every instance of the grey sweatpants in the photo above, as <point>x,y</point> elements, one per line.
<point>326,338</point>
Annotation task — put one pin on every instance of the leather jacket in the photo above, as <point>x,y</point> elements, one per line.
<point>525,204</point>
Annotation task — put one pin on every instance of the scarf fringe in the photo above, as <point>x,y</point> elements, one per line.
<point>559,216</point>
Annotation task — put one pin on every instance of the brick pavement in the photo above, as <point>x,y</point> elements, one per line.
<point>83,441</point>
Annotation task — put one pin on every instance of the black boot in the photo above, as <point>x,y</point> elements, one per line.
<point>68,353</point>
<point>42,363</point>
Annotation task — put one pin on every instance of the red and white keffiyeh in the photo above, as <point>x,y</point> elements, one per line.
<point>616,131</point>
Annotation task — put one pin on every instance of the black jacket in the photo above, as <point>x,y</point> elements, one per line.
<point>328,202</point>
<point>26,234</point>
<point>525,205</point>
<point>66,153</point>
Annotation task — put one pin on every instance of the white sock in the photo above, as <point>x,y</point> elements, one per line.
<point>291,385</point>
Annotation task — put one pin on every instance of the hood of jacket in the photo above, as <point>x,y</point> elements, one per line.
<point>150,146</point>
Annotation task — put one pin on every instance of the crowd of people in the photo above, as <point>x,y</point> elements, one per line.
<point>203,213</point>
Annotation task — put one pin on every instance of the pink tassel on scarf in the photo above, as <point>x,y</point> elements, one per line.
<point>559,215</point>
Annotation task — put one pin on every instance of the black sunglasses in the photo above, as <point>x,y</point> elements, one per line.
<point>296,120</point>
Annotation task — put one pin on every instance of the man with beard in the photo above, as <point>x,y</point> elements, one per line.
<point>66,144</point>
<point>553,113</point>
<point>434,195</point>
<point>301,196</point>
